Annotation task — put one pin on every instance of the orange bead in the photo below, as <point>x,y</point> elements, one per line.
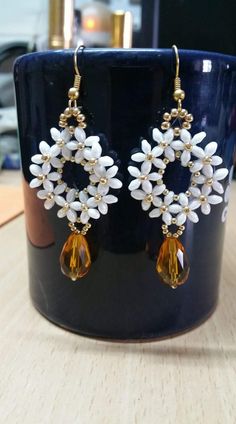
<point>75,257</point>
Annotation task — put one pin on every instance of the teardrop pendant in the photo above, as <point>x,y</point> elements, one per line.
<point>75,257</point>
<point>172,263</point>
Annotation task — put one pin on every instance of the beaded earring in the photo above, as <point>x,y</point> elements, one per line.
<point>147,186</point>
<point>78,206</point>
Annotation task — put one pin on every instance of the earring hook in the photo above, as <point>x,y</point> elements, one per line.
<point>174,47</point>
<point>79,47</point>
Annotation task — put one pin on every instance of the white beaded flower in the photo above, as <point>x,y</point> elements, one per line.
<point>148,198</point>
<point>105,179</point>
<point>68,206</point>
<point>188,145</point>
<point>62,138</point>
<point>203,199</point>
<point>149,156</point>
<point>41,174</point>
<point>47,157</point>
<point>94,158</point>
<point>99,201</point>
<point>163,208</point>
<point>213,181</point>
<point>206,159</point>
<point>143,178</point>
<point>49,193</point>
<point>184,210</point>
<point>164,141</point>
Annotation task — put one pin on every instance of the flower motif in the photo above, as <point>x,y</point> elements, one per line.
<point>213,182</point>
<point>188,144</point>
<point>68,206</point>
<point>81,142</point>
<point>94,158</point>
<point>164,141</point>
<point>203,199</point>
<point>105,179</point>
<point>49,193</point>
<point>148,198</point>
<point>47,157</point>
<point>62,138</point>
<point>162,208</point>
<point>149,156</point>
<point>42,174</point>
<point>206,159</point>
<point>142,177</point>
<point>184,209</point>
<point>99,201</point>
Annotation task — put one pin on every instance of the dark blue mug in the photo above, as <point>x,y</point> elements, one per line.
<point>124,93</point>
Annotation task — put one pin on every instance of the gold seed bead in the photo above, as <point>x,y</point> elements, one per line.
<point>83,163</point>
<point>71,129</point>
<point>183,113</point>
<point>62,117</point>
<point>169,234</point>
<point>176,131</point>
<point>60,170</point>
<point>190,164</point>
<point>62,124</point>
<point>177,154</point>
<point>193,184</point>
<point>81,117</point>
<point>63,160</point>
<point>165,231</point>
<point>167,116</point>
<point>182,227</point>
<point>173,221</point>
<point>83,125</point>
<point>68,112</point>
<point>174,113</point>
<point>161,171</point>
<point>189,117</point>
<point>179,94</point>
<point>165,125</point>
<point>89,225</point>
<point>166,161</point>
<point>165,192</point>
<point>179,232</point>
<point>164,226</point>
<point>72,159</point>
<point>73,93</point>
<point>175,235</point>
<point>67,189</point>
<point>159,182</point>
<point>197,174</point>
<point>60,181</point>
<point>186,125</point>
<point>188,193</point>
<point>176,197</point>
<point>75,111</point>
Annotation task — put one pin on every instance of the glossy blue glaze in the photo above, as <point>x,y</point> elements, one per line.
<point>124,93</point>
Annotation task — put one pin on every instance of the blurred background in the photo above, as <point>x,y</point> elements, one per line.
<point>27,26</point>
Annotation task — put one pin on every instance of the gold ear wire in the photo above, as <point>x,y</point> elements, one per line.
<point>178,94</point>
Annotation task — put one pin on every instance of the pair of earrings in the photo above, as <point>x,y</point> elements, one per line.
<point>71,144</point>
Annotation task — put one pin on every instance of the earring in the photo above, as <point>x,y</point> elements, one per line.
<point>176,143</point>
<point>72,144</point>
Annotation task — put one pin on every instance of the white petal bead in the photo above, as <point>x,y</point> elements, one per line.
<point>198,152</point>
<point>185,158</point>
<point>80,134</point>
<point>206,190</point>
<point>96,150</point>
<point>138,194</point>
<point>185,136</point>
<point>92,190</point>
<point>49,203</point>
<point>155,213</point>
<point>159,163</point>
<point>157,202</point>
<point>72,145</point>
<point>55,134</point>
<point>146,147</point>
<point>181,218</point>
<point>183,199</point>
<point>218,187</point>
<point>35,170</point>
<point>158,189</point>
<point>46,168</point>
<point>197,138</point>
<point>138,157</point>
<point>48,185</point>
<point>42,194</point>
<point>106,161</point>
<point>216,160</point>
<point>214,199</point>
<point>167,218</point>
<point>154,176</point>
<point>54,176</point>
<point>197,166</point>
<point>192,216</point>
<point>170,154</point>
<point>55,150</point>
<point>210,148</point>
<point>205,208</point>
<point>66,153</point>
<point>35,183</point>
<point>103,208</point>
<point>76,206</point>
<point>146,168</point>
<point>93,213</point>
<point>220,174</point>
<point>56,163</point>
<point>157,151</point>
<point>103,189</point>
<point>60,201</point>
<point>91,203</point>
<point>44,148</point>
<point>168,199</point>
<point>111,172</point>
<point>70,197</point>
<point>207,170</point>
<point>157,135</point>
<point>115,183</point>
<point>60,188</point>
<point>134,171</point>
<point>61,213</point>
<point>195,204</point>
<point>175,208</point>
<point>146,186</point>
<point>83,197</point>
<point>195,191</point>
<point>168,136</point>
<point>177,145</point>
<point>134,184</point>
<point>37,159</point>
<point>71,215</point>
<point>145,205</point>
<point>92,140</point>
<point>84,217</point>
<point>110,199</point>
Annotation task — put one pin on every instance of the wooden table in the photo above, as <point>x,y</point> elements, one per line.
<point>51,376</point>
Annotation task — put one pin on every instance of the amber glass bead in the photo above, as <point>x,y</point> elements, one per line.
<point>172,263</point>
<point>75,257</point>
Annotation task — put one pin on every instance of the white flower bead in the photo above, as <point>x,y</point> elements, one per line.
<point>105,179</point>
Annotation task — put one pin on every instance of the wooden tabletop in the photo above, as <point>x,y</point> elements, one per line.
<point>51,376</point>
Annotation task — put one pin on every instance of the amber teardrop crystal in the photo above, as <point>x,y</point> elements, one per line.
<point>75,257</point>
<point>172,263</point>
